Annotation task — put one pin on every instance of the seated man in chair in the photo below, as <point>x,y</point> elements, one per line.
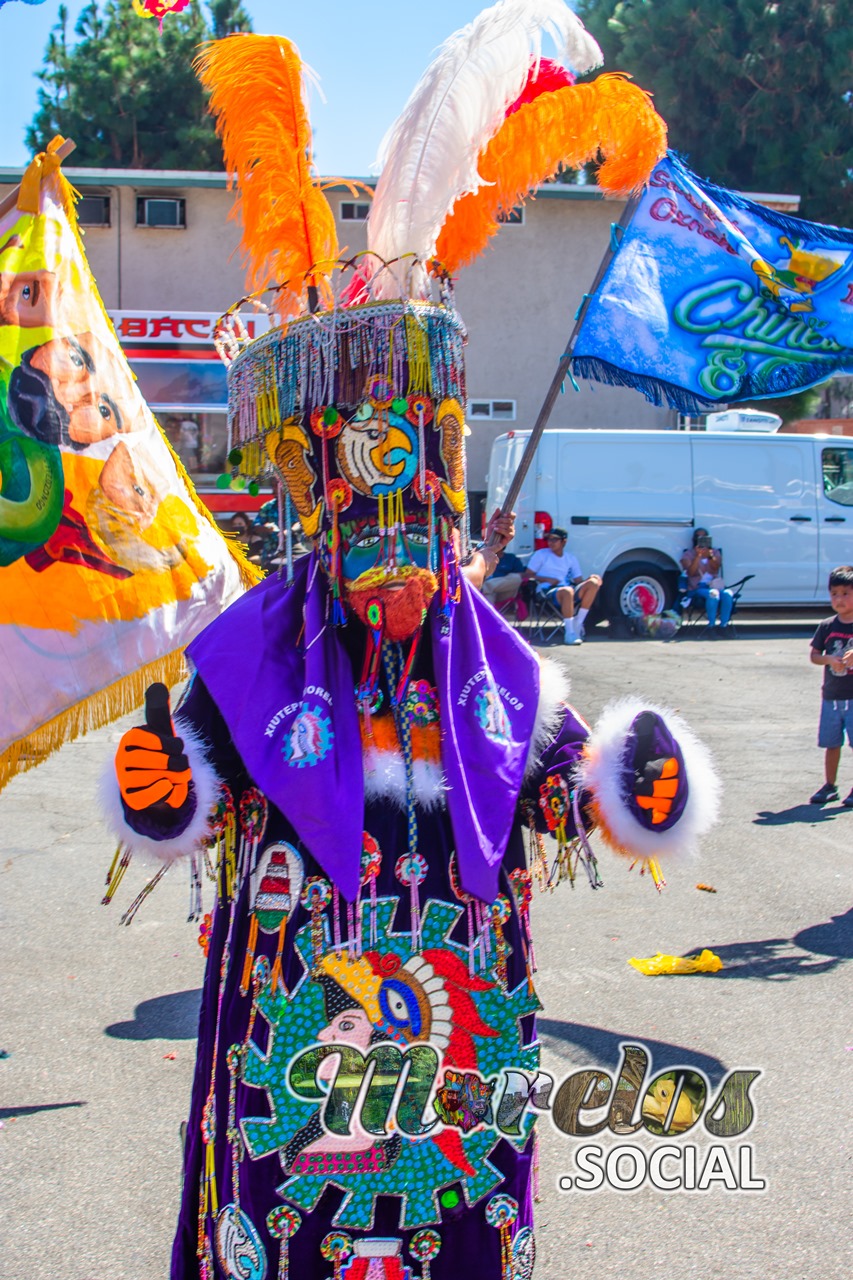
<point>505,583</point>
<point>557,573</point>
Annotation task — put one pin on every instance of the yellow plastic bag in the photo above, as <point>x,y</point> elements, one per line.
<point>705,962</point>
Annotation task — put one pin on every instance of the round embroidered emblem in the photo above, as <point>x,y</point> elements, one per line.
<point>309,738</point>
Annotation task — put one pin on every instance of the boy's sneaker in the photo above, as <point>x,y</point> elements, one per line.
<point>828,792</point>
<point>848,801</point>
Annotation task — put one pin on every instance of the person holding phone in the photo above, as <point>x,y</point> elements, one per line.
<point>703,565</point>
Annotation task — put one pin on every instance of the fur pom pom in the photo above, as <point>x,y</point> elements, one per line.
<point>600,772</point>
<point>206,785</point>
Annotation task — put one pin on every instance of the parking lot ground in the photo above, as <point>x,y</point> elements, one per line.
<point>98,1021</point>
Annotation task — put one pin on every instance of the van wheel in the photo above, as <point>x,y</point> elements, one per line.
<point>635,590</point>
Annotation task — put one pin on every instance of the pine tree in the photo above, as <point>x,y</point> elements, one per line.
<point>127,94</point>
<point>758,94</point>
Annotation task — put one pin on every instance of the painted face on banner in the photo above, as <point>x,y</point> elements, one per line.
<point>88,380</point>
<point>28,298</point>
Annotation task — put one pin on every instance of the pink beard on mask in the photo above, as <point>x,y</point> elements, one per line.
<point>405,602</point>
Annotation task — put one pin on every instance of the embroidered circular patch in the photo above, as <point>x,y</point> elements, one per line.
<point>336,1245</point>
<point>501,1211</point>
<point>309,738</point>
<point>410,869</point>
<point>491,713</point>
<point>425,1245</point>
<point>283,1222</point>
<point>371,859</point>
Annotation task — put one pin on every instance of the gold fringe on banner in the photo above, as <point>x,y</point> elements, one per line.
<point>94,712</point>
<point>250,574</point>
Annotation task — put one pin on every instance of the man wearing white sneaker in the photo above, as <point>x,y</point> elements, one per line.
<point>557,573</point>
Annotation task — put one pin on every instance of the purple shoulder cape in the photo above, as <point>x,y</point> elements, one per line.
<point>283,682</point>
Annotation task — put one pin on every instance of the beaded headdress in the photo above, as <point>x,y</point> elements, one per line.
<point>360,410</point>
<point>358,398</point>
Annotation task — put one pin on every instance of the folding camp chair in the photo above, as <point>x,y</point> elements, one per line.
<point>692,606</point>
<point>545,622</point>
<point>515,609</point>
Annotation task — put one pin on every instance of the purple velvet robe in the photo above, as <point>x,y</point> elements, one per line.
<point>406,964</point>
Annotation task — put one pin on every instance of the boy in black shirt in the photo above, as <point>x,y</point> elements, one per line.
<point>832,648</point>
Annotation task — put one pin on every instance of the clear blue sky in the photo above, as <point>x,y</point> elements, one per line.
<point>368,54</point>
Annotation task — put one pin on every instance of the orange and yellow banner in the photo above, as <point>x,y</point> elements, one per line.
<point>109,564</point>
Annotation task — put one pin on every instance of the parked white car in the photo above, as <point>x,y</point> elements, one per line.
<point>779,506</point>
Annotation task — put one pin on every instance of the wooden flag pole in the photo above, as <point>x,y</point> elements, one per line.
<point>560,374</point>
<point>8,202</point>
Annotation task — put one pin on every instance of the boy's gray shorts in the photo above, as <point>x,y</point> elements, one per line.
<point>835,718</point>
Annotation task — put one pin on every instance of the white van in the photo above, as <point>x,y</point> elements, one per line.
<point>779,506</point>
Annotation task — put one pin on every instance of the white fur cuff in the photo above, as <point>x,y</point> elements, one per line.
<point>600,772</point>
<point>385,779</point>
<point>553,695</point>
<point>206,785</point>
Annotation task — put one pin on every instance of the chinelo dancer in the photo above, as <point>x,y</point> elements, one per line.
<point>367,758</point>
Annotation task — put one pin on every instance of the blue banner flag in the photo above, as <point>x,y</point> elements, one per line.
<point>711,298</point>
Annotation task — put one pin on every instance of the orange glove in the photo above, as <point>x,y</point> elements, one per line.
<point>658,788</point>
<point>150,764</point>
<point>657,775</point>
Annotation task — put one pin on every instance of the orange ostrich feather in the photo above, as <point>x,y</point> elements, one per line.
<point>567,126</point>
<point>256,94</point>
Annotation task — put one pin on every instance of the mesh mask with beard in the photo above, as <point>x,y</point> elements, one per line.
<point>405,593</point>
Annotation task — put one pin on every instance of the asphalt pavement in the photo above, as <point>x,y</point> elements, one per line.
<point>97,1021</point>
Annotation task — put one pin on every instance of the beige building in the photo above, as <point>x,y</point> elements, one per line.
<point>165,255</point>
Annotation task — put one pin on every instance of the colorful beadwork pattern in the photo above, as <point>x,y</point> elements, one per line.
<point>424,1005</point>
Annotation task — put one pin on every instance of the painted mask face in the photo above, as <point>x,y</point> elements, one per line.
<point>366,549</point>
<point>91,385</point>
<point>28,298</point>
<point>405,588</point>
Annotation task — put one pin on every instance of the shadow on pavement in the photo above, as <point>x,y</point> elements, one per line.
<point>595,1046</point>
<point>774,959</point>
<point>171,1017</point>
<point>833,938</point>
<point>12,1113</point>
<point>798,813</point>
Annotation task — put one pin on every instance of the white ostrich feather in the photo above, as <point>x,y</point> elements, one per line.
<point>429,156</point>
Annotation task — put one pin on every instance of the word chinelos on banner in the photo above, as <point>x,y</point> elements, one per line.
<point>109,565</point>
<point>712,298</point>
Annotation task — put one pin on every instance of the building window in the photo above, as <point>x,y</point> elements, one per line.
<point>513,217</point>
<point>352,212</point>
<point>200,440</point>
<point>494,410</point>
<point>161,211</point>
<point>200,384</point>
<point>93,211</point>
